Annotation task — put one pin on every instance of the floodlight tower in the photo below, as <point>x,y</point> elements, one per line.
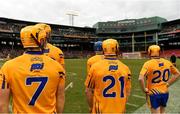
<point>71,15</point>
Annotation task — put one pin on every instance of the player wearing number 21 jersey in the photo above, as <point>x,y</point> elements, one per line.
<point>109,82</point>
<point>35,81</point>
<point>157,72</point>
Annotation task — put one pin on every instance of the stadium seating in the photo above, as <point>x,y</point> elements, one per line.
<point>82,38</point>
<point>168,53</point>
<point>7,50</point>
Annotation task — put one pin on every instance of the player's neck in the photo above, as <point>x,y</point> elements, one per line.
<point>110,57</point>
<point>155,57</point>
<point>33,49</point>
<point>98,53</point>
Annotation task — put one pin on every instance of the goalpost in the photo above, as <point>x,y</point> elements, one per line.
<point>132,55</point>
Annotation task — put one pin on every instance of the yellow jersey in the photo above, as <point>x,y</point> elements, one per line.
<point>110,79</point>
<point>157,72</point>
<point>55,53</point>
<point>93,60</point>
<point>33,79</point>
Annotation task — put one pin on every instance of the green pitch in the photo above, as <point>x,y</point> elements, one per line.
<point>76,73</point>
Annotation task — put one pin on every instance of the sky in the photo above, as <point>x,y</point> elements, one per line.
<point>89,11</point>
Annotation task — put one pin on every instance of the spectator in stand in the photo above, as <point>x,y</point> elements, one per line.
<point>173,59</point>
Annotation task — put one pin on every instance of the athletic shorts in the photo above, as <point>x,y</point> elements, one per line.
<point>158,100</point>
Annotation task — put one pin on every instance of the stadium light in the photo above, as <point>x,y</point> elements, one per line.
<point>71,15</point>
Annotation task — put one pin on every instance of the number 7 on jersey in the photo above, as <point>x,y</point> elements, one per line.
<point>42,80</point>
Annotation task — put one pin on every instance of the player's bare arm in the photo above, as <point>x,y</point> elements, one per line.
<point>173,79</point>
<point>142,84</point>
<point>4,94</point>
<point>4,100</point>
<point>60,96</point>
<point>89,97</point>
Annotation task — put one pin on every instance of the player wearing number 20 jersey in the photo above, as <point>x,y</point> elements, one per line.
<point>110,82</point>
<point>157,72</point>
<point>35,81</point>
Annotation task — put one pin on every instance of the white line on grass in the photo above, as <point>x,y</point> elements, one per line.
<point>138,96</point>
<point>130,104</point>
<point>10,108</point>
<point>71,73</point>
<point>70,85</point>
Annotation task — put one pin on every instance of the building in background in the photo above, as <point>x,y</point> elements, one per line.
<point>133,34</point>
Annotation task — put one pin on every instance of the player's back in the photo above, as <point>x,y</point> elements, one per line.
<point>93,60</point>
<point>33,81</point>
<point>110,79</point>
<point>158,73</point>
<point>55,53</point>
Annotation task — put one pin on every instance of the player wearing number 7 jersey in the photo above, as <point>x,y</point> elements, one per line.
<point>157,72</point>
<point>35,81</point>
<point>109,82</point>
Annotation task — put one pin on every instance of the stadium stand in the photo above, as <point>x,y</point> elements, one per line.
<point>134,35</point>
<point>168,53</point>
<point>6,51</point>
<point>140,32</point>
<point>171,26</point>
<point>68,38</point>
<point>169,37</point>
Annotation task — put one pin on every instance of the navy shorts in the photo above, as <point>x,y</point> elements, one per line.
<point>158,100</point>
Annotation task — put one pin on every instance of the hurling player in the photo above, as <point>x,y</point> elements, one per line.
<point>97,57</point>
<point>51,50</point>
<point>157,72</point>
<point>109,82</point>
<point>33,80</point>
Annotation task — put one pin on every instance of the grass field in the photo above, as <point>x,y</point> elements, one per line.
<point>75,96</point>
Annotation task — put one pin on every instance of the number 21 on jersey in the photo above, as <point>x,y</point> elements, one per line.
<point>111,85</point>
